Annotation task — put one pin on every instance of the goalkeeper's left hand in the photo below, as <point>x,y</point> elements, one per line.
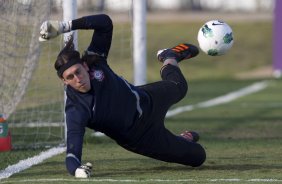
<point>51,29</point>
<point>84,171</point>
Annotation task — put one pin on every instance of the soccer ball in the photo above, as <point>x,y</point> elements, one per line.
<point>215,38</point>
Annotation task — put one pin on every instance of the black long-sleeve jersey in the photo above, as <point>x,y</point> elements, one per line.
<point>112,106</point>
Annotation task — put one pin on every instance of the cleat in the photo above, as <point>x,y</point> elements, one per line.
<point>190,136</point>
<point>179,52</point>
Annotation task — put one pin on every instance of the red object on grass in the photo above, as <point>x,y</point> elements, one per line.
<point>6,143</point>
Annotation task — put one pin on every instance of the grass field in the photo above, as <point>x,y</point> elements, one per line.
<point>242,138</point>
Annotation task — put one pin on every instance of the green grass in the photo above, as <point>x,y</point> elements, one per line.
<point>242,138</point>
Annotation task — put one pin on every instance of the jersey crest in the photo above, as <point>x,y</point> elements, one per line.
<point>98,75</point>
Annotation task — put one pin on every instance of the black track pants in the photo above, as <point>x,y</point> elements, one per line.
<point>157,141</point>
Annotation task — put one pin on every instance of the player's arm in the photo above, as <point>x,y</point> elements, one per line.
<point>102,36</point>
<point>73,157</point>
<point>75,134</point>
<point>100,44</point>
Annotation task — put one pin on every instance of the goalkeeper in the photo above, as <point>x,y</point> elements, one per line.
<point>99,99</point>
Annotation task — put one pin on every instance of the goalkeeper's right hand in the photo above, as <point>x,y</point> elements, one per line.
<point>84,171</point>
<point>51,29</point>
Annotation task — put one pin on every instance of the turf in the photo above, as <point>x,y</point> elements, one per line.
<point>242,138</point>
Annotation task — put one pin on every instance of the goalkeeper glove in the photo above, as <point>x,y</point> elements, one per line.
<point>84,171</point>
<point>51,29</point>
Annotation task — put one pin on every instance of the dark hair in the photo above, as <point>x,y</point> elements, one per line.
<point>67,57</point>
<point>92,58</point>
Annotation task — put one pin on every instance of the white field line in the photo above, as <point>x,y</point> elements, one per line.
<point>221,99</point>
<point>36,124</point>
<point>231,180</point>
<point>27,163</point>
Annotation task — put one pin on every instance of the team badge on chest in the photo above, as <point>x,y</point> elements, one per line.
<point>98,75</point>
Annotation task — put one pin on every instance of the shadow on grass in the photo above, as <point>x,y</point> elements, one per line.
<point>133,167</point>
<point>143,166</point>
<point>133,171</point>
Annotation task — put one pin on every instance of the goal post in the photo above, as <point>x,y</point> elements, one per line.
<point>139,41</point>
<point>70,13</point>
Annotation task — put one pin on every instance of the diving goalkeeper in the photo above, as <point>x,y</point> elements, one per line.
<point>97,98</point>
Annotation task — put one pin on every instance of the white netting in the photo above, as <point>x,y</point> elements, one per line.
<point>27,100</point>
<point>19,49</point>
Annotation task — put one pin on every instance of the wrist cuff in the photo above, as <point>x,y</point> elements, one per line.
<point>65,26</point>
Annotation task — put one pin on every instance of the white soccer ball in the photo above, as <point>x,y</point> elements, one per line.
<point>215,38</point>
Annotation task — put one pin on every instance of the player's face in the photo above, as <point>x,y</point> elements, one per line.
<point>77,76</point>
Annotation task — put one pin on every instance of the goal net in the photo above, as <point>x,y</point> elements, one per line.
<point>31,95</point>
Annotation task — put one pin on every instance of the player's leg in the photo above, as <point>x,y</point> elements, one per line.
<point>167,92</point>
<point>165,145</point>
<point>173,86</point>
<point>159,143</point>
<point>178,149</point>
